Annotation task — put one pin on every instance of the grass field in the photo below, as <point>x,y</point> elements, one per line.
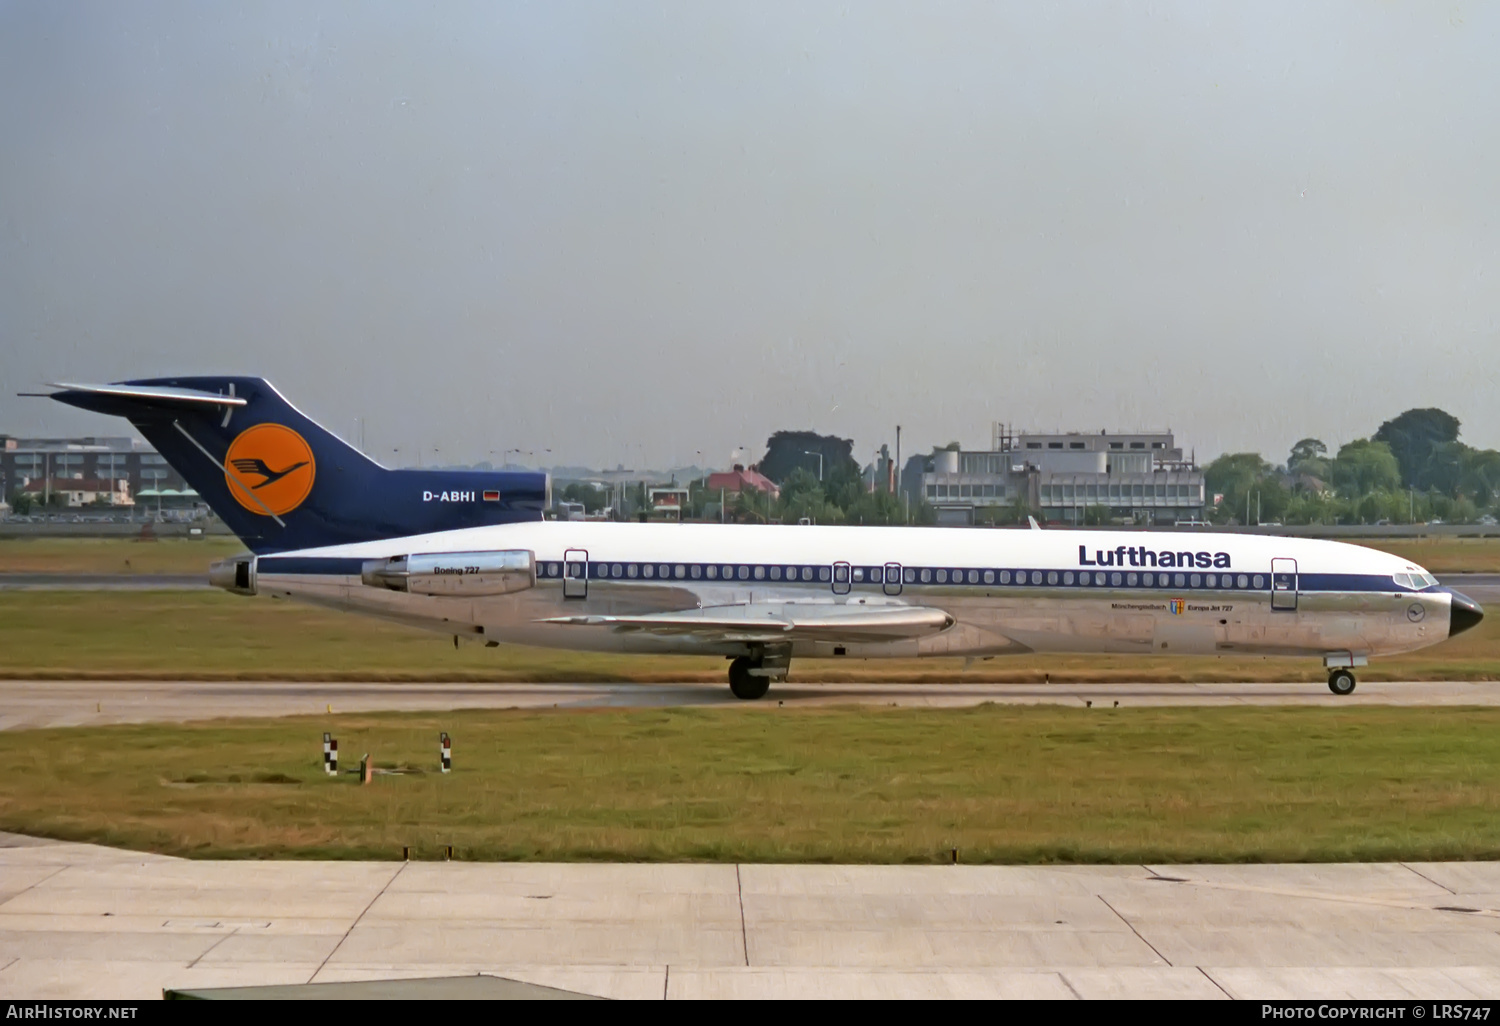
<point>1001,784</point>
<point>113,555</point>
<point>185,556</point>
<point>1444,555</point>
<point>186,635</point>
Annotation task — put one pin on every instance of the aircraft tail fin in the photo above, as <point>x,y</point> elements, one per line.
<point>281,481</point>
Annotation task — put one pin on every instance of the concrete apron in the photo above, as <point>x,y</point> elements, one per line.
<point>81,921</point>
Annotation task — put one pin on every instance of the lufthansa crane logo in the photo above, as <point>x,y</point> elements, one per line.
<point>269,469</point>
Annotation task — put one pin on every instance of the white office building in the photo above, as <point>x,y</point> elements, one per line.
<point>1067,478</point>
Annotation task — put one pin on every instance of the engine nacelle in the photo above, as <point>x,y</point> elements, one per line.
<point>236,574</point>
<point>453,573</point>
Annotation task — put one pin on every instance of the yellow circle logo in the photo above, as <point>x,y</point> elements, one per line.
<point>269,469</point>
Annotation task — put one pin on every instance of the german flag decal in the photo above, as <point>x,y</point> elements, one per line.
<point>492,496</point>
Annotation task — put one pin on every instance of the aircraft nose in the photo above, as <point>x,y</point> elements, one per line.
<point>1463,614</point>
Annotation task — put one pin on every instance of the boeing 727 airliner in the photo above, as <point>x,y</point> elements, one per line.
<point>468,554</point>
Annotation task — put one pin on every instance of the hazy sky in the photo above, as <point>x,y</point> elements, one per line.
<point>631,231</point>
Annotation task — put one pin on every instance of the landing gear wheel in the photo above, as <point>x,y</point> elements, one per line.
<point>1341,682</point>
<point>743,683</point>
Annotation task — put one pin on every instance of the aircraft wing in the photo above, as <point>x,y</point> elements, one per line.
<point>778,622</point>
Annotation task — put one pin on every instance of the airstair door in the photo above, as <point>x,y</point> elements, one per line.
<point>576,574</point>
<point>1284,585</point>
<point>893,578</point>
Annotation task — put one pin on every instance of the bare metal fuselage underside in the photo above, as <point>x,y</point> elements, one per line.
<point>988,620</point>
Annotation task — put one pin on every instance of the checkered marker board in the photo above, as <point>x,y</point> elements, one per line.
<point>330,756</point>
<point>447,751</point>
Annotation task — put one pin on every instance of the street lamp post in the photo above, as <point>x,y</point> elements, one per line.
<point>809,452</point>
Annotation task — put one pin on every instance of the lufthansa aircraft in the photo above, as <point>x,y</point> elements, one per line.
<point>469,554</point>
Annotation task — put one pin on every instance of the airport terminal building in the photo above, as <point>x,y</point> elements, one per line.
<point>54,464</point>
<point>1140,476</point>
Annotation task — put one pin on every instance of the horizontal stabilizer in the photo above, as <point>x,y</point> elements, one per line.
<point>779,622</point>
<point>189,397</point>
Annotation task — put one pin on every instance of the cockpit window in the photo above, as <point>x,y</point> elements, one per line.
<point>1415,582</point>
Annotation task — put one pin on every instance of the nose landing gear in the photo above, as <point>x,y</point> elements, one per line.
<point>1341,682</point>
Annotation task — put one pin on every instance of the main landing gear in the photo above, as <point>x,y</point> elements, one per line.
<point>750,676</point>
<point>1341,682</point>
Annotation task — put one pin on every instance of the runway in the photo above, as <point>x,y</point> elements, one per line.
<point>102,582</point>
<point>79,921</point>
<point>30,704</point>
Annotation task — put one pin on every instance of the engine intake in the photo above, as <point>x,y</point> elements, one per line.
<point>453,573</point>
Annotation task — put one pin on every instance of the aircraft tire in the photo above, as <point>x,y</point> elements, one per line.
<point>744,684</point>
<point>1341,682</point>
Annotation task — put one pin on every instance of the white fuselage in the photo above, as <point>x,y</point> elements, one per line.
<point>1007,591</point>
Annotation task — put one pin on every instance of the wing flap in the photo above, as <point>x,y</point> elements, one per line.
<point>778,622</point>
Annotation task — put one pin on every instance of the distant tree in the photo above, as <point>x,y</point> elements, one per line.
<point>20,503</point>
<point>1307,449</point>
<point>1445,467</point>
<point>1412,438</point>
<point>1309,456</point>
<point>584,492</point>
<point>787,451</point>
<point>751,506</point>
<point>875,508</point>
<point>1364,466</point>
<point>1480,477</point>
<point>803,497</point>
<point>1234,475</point>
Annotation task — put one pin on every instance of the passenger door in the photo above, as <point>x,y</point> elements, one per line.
<point>576,574</point>
<point>1284,585</point>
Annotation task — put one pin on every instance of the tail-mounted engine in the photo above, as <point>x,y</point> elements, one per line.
<point>453,573</point>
